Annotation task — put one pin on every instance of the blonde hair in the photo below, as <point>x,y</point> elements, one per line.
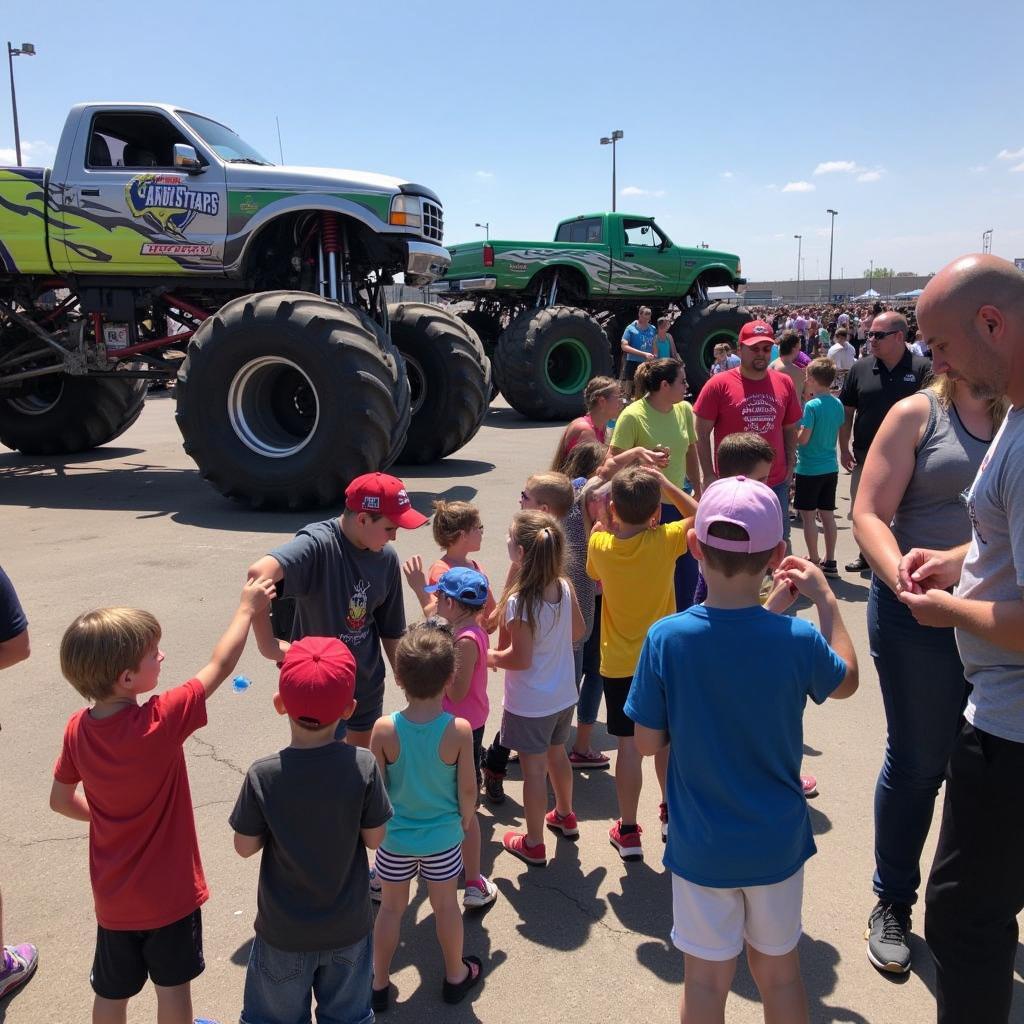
<point>945,391</point>
<point>554,490</point>
<point>99,645</point>
<point>452,518</point>
<point>543,544</point>
<point>596,389</point>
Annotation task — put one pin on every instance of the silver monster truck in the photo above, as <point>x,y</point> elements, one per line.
<point>162,245</point>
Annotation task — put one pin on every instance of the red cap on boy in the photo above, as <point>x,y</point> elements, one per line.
<point>318,679</point>
<point>383,495</point>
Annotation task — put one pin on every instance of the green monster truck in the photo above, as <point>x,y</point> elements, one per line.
<point>551,315</point>
<point>162,245</point>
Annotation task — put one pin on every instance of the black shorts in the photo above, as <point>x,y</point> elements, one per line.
<point>816,492</point>
<point>169,956</point>
<point>478,747</point>
<point>616,690</point>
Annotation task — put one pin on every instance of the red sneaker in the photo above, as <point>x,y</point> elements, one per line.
<point>516,844</point>
<point>809,784</point>
<point>588,759</point>
<point>627,843</point>
<point>567,825</point>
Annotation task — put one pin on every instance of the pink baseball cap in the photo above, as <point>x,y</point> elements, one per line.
<point>756,331</point>
<point>742,502</point>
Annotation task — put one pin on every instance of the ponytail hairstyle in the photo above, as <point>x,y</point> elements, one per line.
<point>650,375</point>
<point>543,544</point>
<point>596,389</point>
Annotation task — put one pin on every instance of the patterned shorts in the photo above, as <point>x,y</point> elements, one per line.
<point>435,867</point>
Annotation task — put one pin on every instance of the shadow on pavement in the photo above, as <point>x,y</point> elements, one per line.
<point>450,467</point>
<point>509,419</point>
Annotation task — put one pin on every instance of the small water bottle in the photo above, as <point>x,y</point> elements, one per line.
<point>239,684</point>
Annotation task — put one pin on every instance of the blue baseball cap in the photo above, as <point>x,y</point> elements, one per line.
<point>463,584</point>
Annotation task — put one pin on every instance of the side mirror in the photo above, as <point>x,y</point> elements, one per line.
<point>186,158</point>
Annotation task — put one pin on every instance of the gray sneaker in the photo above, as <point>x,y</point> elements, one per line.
<point>888,934</point>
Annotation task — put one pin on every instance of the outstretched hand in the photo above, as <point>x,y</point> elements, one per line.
<point>414,575</point>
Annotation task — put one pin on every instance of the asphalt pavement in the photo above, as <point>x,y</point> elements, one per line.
<point>584,939</point>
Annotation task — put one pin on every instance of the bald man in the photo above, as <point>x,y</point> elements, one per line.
<point>972,317</point>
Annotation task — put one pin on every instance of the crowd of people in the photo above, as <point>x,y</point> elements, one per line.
<point>660,528</point>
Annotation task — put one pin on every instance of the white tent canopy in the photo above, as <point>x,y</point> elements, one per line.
<point>869,294</point>
<point>913,294</point>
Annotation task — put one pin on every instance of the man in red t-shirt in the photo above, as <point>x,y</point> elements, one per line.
<point>147,878</point>
<point>751,398</point>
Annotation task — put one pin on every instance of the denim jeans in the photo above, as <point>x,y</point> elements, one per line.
<point>782,493</point>
<point>686,564</point>
<point>588,672</point>
<point>924,692</point>
<point>279,985</point>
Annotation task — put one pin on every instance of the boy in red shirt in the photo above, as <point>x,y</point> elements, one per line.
<point>147,878</point>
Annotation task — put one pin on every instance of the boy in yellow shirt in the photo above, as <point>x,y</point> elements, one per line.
<point>635,565</point>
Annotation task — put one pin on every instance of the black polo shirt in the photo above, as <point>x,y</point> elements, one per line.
<point>873,390</point>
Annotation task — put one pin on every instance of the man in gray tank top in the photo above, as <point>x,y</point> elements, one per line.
<point>972,316</point>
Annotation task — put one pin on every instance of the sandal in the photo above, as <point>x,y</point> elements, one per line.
<point>456,993</point>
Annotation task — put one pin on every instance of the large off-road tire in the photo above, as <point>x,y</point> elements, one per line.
<point>545,358</point>
<point>696,332</point>
<point>449,377</point>
<point>58,414</point>
<point>488,329</point>
<point>285,397</point>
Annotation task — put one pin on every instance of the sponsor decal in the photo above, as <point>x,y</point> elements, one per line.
<point>175,249</point>
<point>167,204</point>
<point>403,498</point>
<point>517,267</point>
<point>909,378</point>
<point>371,502</point>
<point>248,204</point>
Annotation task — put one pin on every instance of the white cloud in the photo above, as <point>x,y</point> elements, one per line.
<point>798,186</point>
<point>33,154</point>
<point>870,176</point>
<point>632,190</point>
<point>1019,167</point>
<point>727,174</point>
<point>485,175</point>
<point>1008,154</point>
<point>837,167</point>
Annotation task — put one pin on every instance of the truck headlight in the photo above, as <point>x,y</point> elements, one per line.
<point>405,212</point>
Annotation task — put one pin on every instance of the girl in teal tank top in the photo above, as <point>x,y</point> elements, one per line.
<point>426,757</point>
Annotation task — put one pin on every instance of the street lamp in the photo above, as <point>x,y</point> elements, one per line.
<point>487,228</point>
<point>799,247</point>
<point>610,141</point>
<point>831,236</point>
<point>26,50</point>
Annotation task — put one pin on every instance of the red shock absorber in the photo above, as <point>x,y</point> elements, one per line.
<point>329,232</point>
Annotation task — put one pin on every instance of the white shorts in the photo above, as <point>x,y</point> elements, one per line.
<point>712,923</point>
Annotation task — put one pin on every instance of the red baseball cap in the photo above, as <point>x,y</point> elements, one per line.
<point>755,332</point>
<point>318,679</point>
<point>383,495</point>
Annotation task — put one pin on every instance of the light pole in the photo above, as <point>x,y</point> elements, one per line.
<point>871,275</point>
<point>26,50</point>
<point>610,141</point>
<point>799,248</point>
<point>831,236</point>
<point>487,229</point>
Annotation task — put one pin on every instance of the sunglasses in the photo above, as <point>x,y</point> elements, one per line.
<point>523,496</point>
<point>434,622</point>
<point>879,335</point>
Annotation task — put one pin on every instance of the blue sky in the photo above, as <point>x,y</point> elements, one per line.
<point>742,124</point>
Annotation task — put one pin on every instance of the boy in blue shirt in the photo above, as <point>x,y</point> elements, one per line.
<point>817,466</point>
<point>725,683</point>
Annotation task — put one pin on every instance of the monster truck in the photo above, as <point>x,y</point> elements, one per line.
<point>161,246</point>
<point>551,315</point>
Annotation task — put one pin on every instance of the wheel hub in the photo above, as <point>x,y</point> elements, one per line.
<point>273,407</point>
<point>568,366</point>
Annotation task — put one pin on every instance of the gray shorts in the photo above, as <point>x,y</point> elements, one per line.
<point>535,735</point>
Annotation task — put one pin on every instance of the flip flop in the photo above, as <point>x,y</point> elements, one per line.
<point>456,993</point>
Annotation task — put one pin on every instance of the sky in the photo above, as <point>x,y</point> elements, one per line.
<point>740,128</point>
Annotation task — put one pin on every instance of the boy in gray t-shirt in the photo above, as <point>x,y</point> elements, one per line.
<point>346,581</point>
<point>313,809</point>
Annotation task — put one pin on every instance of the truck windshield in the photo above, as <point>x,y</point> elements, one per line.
<point>223,141</point>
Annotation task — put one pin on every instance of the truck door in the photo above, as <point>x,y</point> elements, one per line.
<point>647,264</point>
<point>126,209</point>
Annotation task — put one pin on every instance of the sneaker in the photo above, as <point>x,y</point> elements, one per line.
<point>887,931</point>
<point>588,759</point>
<point>479,894</point>
<point>494,786</point>
<point>516,844</point>
<point>374,886</point>
<point>18,965</point>
<point>663,818</point>
<point>566,825</point>
<point>809,784</point>
<point>627,843</point>
<point>830,569</point>
<point>859,564</point>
